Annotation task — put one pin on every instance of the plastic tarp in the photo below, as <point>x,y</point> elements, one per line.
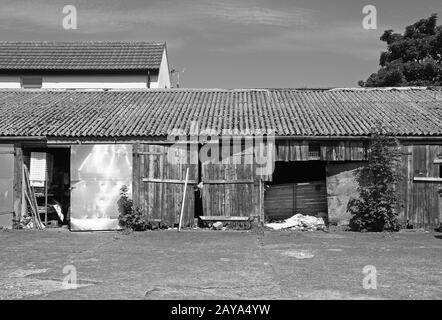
<point>298,222</point>
<point>97,174</point>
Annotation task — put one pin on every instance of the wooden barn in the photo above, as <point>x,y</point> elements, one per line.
<point>261,153</point>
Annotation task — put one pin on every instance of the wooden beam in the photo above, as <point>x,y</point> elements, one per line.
<point>239,181</point>
<point>427,179</point>
<point>149,153</point>
<point>224,218</point>
<point>169,181</point>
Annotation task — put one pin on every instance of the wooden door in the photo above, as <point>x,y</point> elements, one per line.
<point>423,209</point>
<point>159,176</point>
<point>230,187</point>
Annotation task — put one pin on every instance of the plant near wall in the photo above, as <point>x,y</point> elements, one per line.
<point>130,218</point>
<point>376,207</point>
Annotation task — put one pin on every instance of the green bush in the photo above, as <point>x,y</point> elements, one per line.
<point>376,207</point>
<point>129,217</point>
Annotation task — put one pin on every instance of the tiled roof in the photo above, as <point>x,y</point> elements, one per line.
<point>338,112</point>
<point>80,56</point>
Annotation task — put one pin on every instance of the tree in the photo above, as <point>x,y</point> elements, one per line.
<point>413,58</point>
<point>376,207</point>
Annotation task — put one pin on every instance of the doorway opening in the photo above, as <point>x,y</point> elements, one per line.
<point>49,176</point>
<point>296,187</point>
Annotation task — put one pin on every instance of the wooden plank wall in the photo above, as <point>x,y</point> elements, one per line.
<point>289,150</point>
<point>230,188</point>
<point>284,200</point>
<point>159,184</point>
<point>420,201</point>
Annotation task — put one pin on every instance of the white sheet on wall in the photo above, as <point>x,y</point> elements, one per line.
<point>97,174</point>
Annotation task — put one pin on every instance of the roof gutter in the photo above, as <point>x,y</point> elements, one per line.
<point>22,139</point>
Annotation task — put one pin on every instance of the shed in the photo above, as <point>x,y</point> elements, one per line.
<point>261,153</point>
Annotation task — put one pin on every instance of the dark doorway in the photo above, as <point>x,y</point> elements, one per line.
<point>298,171</point>
<point>297,187</point>
<point>55,195</point>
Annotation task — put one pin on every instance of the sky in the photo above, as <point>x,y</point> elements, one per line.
<point>234,43</point>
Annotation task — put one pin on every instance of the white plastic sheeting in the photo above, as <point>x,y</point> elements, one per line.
<point>298,222</point>
<point>97,174</point>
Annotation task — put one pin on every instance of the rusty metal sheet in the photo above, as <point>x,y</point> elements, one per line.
<point>6,185</point>
<point>97,174</point>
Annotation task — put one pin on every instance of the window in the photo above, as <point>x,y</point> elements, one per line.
<point>314,151</point>
<point>31,82</point>
<point>440,171</point>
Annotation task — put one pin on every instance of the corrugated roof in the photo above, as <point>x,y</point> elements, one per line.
<point>148,113</point>
<point>80,56</point>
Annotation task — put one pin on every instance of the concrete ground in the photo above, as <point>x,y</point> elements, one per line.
<point>203,264</point>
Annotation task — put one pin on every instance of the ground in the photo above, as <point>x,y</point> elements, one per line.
<point>201,264</point>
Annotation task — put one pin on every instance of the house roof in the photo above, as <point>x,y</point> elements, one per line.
<point>150,113</point>
<point>80,56</point>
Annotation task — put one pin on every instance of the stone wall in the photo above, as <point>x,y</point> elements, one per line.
<point>341,187</point>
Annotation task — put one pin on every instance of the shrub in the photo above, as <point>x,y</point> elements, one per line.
<point>129,217</point>
<point>376,207</point>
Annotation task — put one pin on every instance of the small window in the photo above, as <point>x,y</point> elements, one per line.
<point>31,82</point>
<point>440,171</point>
<point>314,151</point>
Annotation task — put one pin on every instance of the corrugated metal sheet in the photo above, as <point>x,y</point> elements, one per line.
<point>87,55</point>
<point>149,113</point>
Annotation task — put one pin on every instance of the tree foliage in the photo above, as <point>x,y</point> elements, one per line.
<point>413,58</point>
<point>375,209</point>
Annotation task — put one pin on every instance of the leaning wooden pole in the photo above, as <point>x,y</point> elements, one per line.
<point>184,200</point>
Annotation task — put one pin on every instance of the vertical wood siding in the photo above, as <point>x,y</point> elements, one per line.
<point>159,184</point>
<point>230,188</point>
<point>420,201</point>
<point>287,150</point>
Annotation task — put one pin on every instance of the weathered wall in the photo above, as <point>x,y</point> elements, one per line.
<point>341,187</point>
<point>291,150</point>
<point>6,184</point>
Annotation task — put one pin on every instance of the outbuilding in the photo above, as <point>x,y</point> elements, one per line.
<point>257,153</point>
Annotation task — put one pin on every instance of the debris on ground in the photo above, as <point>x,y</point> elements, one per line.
<point>299,222</point>
<point>217,225</point>
<point>299,254</point>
